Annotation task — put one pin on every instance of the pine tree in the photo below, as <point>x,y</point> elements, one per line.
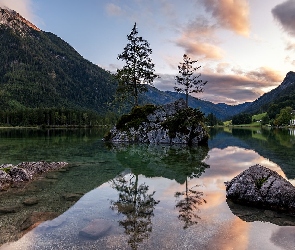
<point>138,70</point>
<point>187,80</point>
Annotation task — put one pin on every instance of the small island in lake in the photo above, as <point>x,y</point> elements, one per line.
<point>172,123</point>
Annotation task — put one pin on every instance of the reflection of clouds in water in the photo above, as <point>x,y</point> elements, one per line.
<point>229,162</point>
<point>232,235</point>
<point>284,237</point>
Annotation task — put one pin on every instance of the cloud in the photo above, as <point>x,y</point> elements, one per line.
<point>23,7</point>
<point>230,88</point>
<point>290,46</point>
<point>265,74</point>
<point>201,49</point>
<point>113,10</point>
<point>230,14</point>
<point>284,13</point>
<point>198,38</point>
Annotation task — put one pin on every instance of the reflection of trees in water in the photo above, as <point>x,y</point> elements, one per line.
<point>178,162</point>
<point>169,161</point>
<point>188,206</point>
<point>137,205</point>
<point>190,198</point>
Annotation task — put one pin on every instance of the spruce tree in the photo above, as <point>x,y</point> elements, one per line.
<point>138,69</point>
<point>188,82</point>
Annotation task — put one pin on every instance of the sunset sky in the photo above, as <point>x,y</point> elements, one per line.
<point>245,47</point>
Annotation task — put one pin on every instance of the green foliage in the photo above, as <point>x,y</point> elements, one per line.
<point>137,116</point>
<point>6,170</point>
<point>40,70</point>
<point>182,120</point>
<point>284,117</point>
<point>187,81</point>
<point>265,119</point>
<point>54,117</point>
<point>241,119</point>
<point>138,69</point>
<point>211,120</point>
<point>259,182</point>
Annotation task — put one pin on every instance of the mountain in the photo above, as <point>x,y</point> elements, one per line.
<point>221,110</point>
<point>284,93</point>
<point>40,70</point>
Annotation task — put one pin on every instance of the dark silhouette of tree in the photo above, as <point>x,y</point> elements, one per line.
<point>137,206</point>
<point>187,81</point>
<point>188,206</point>
<point>138,70</point>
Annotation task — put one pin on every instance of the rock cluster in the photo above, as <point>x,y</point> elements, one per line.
<point>25,171</point>
<point>154,131</point>
<point>261,187</point>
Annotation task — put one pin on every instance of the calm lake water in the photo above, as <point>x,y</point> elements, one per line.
<point>143,196</point>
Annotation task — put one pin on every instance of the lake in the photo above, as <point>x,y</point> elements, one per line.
<point>142,196</point>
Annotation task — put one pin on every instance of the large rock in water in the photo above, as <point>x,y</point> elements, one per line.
<point>168,124</point>
<point>261,187</point>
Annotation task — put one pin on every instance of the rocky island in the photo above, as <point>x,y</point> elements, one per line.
<point>172,123</point>
<point>25,171</point>
<point>261,187</point>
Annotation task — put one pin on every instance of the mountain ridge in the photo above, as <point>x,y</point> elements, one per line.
<point>40,70</point>
<point>261,104</point>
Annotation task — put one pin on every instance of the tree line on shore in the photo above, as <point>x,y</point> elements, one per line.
<point>55,117</point>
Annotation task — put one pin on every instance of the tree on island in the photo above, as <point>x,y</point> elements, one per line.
<point>137,71</point>
<point>188,82</point>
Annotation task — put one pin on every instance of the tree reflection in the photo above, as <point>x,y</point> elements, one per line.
<point>188,206</point>
<point>190,199</point>
<point>137,205</point>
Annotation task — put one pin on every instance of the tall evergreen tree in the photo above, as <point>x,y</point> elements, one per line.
<point>138,69</point>
<point>188,82</point>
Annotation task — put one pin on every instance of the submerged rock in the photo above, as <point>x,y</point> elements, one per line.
<point>261,187</point>
<point>168,124</point>
<point>25,171</point>
<point>96,229</point>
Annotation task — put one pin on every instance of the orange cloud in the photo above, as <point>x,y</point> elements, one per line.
<point>202,49</point>
<point>266,74</point>
<point>230,14</point>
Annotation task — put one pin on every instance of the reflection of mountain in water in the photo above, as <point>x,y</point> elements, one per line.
<point>275,145</point>
<point>172,162</point>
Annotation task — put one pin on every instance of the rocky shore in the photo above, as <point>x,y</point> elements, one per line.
<point>23,172</point>
<point>261,187</point>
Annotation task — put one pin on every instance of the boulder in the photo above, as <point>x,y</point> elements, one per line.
<point>172,123</point>
<point>96,229</point>
<point>261,187</point>
<point>25,171</point>
<point>5,180</point>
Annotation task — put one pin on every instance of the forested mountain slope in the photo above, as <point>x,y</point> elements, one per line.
<point>39,69</point>
<point>283,95</point>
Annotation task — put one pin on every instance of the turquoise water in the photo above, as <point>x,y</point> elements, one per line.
<point>143,196</point>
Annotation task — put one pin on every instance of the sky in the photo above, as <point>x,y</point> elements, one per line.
<point>245,47</point>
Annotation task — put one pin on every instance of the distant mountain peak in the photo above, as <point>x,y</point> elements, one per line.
<point>15,21</point>
<point>289,79</point>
